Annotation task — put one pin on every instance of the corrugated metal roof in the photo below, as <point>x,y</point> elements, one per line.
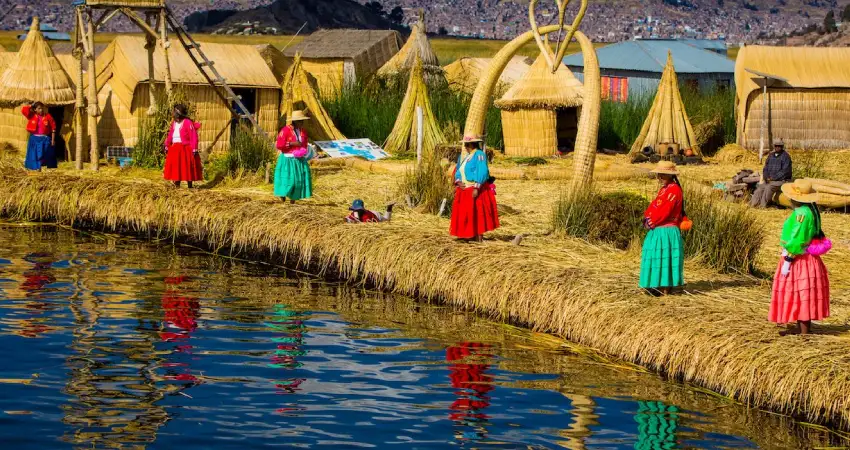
<point>708,44</point>
<point>651,55</point>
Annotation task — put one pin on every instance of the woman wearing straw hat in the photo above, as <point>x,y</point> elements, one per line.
<point>292,177</point>
<point>801,285</point>
<point>662,261</point>
<point>42,141</point>
<point>474,211</point>
<point>182,163</point>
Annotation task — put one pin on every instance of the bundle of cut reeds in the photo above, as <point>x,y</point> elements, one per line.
<point>403,139</point>
<point>299,94</point>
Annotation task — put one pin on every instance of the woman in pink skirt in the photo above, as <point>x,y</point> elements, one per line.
<point>801,284</point>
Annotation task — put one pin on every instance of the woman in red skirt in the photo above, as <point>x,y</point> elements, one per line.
<point>801,284</point>
<point>474,211</point>
<point>182,163</point>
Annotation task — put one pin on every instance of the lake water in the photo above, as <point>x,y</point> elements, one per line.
<point>111,342</point>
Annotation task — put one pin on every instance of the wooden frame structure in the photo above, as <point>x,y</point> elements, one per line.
<point>154,18</point>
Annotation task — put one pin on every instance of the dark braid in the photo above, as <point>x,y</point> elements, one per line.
<point>676,180</point>
<point>816,213</point>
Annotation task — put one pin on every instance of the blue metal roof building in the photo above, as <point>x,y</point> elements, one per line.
<point>50,33</point>
<point>634,68</point>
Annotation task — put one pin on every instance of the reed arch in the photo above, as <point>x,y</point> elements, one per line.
<point>588,125</point>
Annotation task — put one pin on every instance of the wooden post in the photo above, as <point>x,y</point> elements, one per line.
<point>150,46</point>
<point>93,104</point>
<point>81,104</point>
<point>163,41</point>
<point>763,121</point>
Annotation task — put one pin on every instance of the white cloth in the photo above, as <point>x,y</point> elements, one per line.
<point>175,138</point>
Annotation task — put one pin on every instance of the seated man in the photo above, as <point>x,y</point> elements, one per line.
<point>777,171</point>
<point>359,214</point>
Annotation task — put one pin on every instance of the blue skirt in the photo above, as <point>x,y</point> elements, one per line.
<point>40,153</point>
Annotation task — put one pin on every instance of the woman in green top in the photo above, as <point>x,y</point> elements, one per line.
<point>801,283</point>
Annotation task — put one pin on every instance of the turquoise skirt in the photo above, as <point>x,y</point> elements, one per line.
<point>662,262</point>
<point>292,178</point>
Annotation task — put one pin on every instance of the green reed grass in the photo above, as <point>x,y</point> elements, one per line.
<point>248,152</point>
<point>610,218</point>
<point>809,164</point>
<point>149,151</point>
<point>428,184</point>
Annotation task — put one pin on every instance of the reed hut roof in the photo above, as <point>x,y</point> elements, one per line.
<point>464,73</point>
<point>403,138</point>
<point>539,88</point>
<point>789,67</point>
<point>274,58</point>
<point>667,121</point>
<point>417,47</point>
<point>299,93</point>
<point>34,74</point>
<point>125,62</point>
<point>346,44</point>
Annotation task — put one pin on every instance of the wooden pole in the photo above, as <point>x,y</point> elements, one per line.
<point>81,104</point>
<point>763,121</point>
<point>93,106</point>
<point>150,46</point>
<point>163,41</point>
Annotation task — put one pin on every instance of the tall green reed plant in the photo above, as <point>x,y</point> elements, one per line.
<point>248,153</point>
<point>428,185</point>
<point>149,151</point>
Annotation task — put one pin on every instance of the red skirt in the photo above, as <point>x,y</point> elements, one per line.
<point>803,295</point>
<point>472,217</point>
<point>182,164</point>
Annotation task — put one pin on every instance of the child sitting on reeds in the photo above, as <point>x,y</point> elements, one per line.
<point>359,213</point>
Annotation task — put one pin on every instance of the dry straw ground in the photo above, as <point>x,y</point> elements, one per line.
<point>715,335</point>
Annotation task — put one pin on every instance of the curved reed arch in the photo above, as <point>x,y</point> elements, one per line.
<point>588,125</point>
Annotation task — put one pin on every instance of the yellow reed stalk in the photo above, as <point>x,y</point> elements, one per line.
<point>298,94</point>
<point>403,138</point>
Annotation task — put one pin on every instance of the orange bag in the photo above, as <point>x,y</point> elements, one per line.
<point>686,224</point>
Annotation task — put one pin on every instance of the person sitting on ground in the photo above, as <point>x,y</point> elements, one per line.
<point>801,284</point>
<point>777,171</point>
<point>359,213</point>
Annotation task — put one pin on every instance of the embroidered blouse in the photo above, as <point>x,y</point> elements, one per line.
<point>43,125</point>
<point>291,143</point>
<point>799,230</point>
<point>666,209</point>
<point>472,170</point>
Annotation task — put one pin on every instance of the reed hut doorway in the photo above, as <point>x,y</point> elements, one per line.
<point>61,148</point>
<point>566,128</point>
<point>249,99</point>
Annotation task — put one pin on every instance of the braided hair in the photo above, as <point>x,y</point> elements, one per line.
<point>676,180</point>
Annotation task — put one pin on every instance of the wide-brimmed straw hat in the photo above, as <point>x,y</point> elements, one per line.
<point>665,167</point>
<point>472,138</point>
<point>298,115</point>
<point>801,191</point>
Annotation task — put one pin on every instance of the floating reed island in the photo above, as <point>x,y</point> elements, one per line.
<point>715,336</point>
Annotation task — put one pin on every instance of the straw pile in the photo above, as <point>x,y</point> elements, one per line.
<point>417,47</point>
<point>716,337</point>
<point>667,121</point>
<point>464,74</point>
<point>298,94</point>
<point>35,74</point>
<point>403,139</point>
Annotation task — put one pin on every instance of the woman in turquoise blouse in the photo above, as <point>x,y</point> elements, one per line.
<point>474,211</point>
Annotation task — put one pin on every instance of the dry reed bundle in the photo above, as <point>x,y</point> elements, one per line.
<point>35,74</point>
<point>403,139</point>
<point>667,121</point>
<point>734,153</point>
<point>417,48</point>
<point>717,337</point>
<point>298,94</point>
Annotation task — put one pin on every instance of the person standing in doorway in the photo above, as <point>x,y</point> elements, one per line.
<point>777,171</point>
<point>292,178</point>
<point>41,146</point>
<point>182,163</point>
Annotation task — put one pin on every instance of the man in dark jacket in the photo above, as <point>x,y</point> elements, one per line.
<point>777,171</point>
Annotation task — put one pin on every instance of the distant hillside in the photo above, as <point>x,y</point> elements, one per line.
<point>287,17</point>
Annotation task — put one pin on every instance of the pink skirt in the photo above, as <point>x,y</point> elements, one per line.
<point>803,295</point>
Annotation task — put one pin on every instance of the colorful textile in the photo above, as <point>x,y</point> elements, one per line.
<point>667,207</point>
<point>474,216</point>
<point>803,294</point>
<point>40,153</point>
<point>292,178</point>
<point>291,141</point>
<point>188,135</point>
<point>799,230</point>
<point>364,216</point>
<point>183,164</point>
<point>472,168</point>
<point>662,262</point>
<point>40,125</point>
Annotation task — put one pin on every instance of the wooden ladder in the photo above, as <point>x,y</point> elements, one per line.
<point>208,70</point>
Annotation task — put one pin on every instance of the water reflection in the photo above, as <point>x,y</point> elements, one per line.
<point>143,347</point>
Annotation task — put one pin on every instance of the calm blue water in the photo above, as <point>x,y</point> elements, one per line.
<point>108,342</point>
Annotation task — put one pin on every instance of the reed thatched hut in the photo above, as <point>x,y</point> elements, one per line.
<point>464,73</point>
<point>667,122</point>
<point>337,58</point>
<point>124,89</point>
<point>404,137</point>
<point>540,112</point>
<point>299,93</point>
<point>798,94</point>
<point>417,47</point>
<point>34,74</point>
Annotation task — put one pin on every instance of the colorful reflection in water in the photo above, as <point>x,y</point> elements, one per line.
<point>114,343</point>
